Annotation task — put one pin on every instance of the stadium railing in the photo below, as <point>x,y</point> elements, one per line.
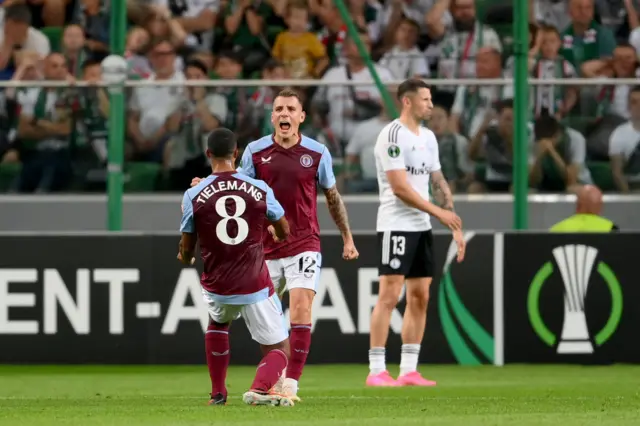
<point>146,176</point>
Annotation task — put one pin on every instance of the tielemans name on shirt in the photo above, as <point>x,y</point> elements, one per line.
<point>232,185</point>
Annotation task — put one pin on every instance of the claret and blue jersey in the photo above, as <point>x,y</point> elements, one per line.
<point>227,211</point>
<point>294,174</point>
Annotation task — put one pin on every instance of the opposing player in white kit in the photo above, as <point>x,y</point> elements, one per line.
<point>407,161</point>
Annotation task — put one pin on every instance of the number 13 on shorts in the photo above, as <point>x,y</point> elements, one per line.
<point>299,271</point>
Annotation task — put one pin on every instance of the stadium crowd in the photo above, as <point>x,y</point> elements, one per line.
<point>56,140</point>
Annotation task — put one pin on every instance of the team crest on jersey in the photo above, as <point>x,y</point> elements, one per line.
<point>393,151</point>
<point>306,160</point>
<point>395,263</point>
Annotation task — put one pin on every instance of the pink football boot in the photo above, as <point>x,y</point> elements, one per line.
<point>414,379</point>
<point>383,379</point>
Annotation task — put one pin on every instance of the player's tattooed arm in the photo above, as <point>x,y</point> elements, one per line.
<point>441,191</point>
<point>338,211</point>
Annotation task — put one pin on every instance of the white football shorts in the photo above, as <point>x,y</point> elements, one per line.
<point>265,320</point>
<point>299,271</point>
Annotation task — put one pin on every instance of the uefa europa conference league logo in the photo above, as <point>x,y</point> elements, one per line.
<point>576,265</point>
<point>469,341</point>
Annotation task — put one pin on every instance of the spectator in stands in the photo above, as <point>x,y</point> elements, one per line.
<point>457,168</point>
<point>150,106</point>
<point>7,129</point>
<point>558,159</point>
<point>316,126</point>
<point>44,128</point>
<point>229,67</point>
<point>535,41</point>
<point>29,68</point>
<point>614,98</point>
<point>135,52</point>
<point>17,34</point>
<point>349,106</point>
<point>493,143</point>
<point>584,40</point>
<point>472,104</point>
<point>369,15</point>
<point>397,10</point>
<point>160,24</point>
<point>333,33</point>
<point>361,163</point>
<point>195,19</point>
<point>553,13</point>
<point>244,23</point>
<point>608,107</point>
<point>549,64</point>
<point>624,148</point>
<point>206,58</point>
<point>405,60</point>
<point>90,150</point>
<point>279,15</point>
<point>620,16</point>
<point>73,49</point>
<point>50,13</point>
<point>93,17</point>
<point>461,40</point>
<point>261,101</point>
<point>634,40</point>
<point>199,113</point>
<point>298,49</point>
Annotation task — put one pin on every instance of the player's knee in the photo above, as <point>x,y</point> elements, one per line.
<point>418,299</point>
<point>300,303</point>
<point>388,301</point>
<point>300,312</point>
<point>390,290</point>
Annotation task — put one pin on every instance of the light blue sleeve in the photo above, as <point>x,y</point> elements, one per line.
<point>246,164</point>
<point>186,224</point>
<point>274,209</point>
<point>326,178</point>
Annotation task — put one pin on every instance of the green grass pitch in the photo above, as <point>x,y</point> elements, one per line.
<point>332,395</point>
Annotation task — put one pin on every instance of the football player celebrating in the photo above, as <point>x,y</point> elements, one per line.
<point>293,165</point>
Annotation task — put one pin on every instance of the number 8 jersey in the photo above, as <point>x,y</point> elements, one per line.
<point>227,212</point>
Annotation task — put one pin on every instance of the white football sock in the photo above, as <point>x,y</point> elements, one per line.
<point>377,362</point>
<point>409,358</point>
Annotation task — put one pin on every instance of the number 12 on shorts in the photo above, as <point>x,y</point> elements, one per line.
<point>306,265</point>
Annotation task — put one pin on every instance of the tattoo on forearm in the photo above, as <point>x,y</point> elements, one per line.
<point>337,210</point>
<point>441,191</point>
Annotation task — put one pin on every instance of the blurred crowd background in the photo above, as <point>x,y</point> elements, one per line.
<point>56,139</point>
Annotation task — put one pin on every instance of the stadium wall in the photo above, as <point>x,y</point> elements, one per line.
<point>160,213</point>
<point>517,298</point>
